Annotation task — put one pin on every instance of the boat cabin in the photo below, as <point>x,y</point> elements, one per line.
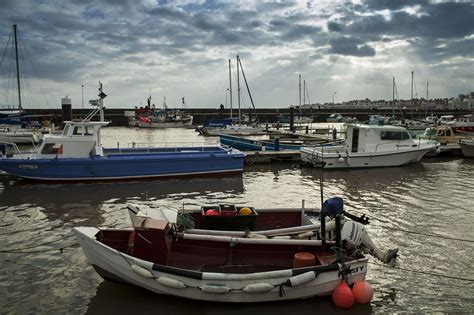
<point>447,119</point>
<point>376,138</point>
<point>443,134</point>
<point>79,139</point>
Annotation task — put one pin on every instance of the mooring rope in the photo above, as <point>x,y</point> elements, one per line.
<point>423,272</point>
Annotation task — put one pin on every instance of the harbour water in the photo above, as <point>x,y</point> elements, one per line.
<point>424,209</point>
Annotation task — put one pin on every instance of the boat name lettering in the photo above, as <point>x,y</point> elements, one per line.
<point>28,166</point>
<point>351,270</point>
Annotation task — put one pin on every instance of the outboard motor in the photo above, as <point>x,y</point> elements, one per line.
<point>354,235</point>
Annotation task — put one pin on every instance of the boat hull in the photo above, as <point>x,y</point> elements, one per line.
<point>254,145</point>
<point>165,124</point>
<point>115,265</point>
<point>361,160</point>
<point>467,148</point>
<point>127,166</point>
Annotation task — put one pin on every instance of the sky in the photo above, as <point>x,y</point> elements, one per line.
<point>343,50</point>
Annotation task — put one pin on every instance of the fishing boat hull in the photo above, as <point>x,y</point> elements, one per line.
<point>343,159</point>
<point>138,164</point>
<point>166,124</point>
<point>249,287</point>
<point>467,148</point>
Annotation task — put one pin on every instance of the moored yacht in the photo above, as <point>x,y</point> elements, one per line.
<point>369,146</point>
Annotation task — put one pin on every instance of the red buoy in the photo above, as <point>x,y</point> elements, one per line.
<point>363,292</point>
<point>342,295</point>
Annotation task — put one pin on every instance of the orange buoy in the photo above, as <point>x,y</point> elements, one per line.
<point>303,259</point>
<point>363,292</point>
<point>342,296</point>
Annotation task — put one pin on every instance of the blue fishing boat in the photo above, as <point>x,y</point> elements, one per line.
<point>245,144</point>
<point>77,154</point>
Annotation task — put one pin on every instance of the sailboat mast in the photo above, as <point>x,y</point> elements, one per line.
<point>238,87</point>
<point>230,88</point>
<point>304,92</point>
<point>299,88</point>
<point>17,67</point>
<point>393,97</point>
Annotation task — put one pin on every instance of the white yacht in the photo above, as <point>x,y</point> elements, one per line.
<point>370,146</point>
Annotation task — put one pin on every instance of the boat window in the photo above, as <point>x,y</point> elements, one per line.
<point>89,131</point>
<point>51,148</point>
<point>66,130</point>
<point>394,135</point>
<point>448,132</point>
<point>77,131</point>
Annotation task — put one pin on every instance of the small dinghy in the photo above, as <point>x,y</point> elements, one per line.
<point>213,265</point>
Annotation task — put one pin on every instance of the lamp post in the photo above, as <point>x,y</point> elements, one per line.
<point>82,86</point>
<point>333,98</point>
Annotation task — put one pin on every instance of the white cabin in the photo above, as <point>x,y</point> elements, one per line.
<point>376,138</point>
<point>80,139</point>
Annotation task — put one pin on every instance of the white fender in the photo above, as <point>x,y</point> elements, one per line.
<point>301,279</point>
<point>139,270</point>
<point>171,283</point>
<point>257,287</point>
<point>215,288</point>
<point>305,235</point>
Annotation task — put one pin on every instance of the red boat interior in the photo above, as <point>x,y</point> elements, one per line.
<point>152,241</point>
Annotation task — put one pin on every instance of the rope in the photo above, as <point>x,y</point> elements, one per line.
<point>426,234</point>
<point>425,272</point>
<point>413,232</point>
<point>15,250</point>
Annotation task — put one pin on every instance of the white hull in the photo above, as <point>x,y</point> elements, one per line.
<point>20,137</point>
<point>140,273</point>
<point>362,160</point>
<point>467,148</point>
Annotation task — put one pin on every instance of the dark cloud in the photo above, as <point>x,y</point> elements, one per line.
<point>335,27</point>
<point>351,47</point>
<point>392,4</point>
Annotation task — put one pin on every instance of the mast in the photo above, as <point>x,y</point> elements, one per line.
<point>299,89</point>
<point>230,88</point>
<point>304,93</point>
<point>17,67</point>
<point>393,97</point>
<point>238,87</point>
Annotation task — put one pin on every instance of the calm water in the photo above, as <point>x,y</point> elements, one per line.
<point>432,197</point>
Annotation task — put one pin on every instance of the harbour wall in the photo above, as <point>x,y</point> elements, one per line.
<point>265,115</point>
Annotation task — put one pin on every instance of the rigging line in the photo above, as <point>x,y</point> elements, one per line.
<point>46,250</point>
<point>412,232</point>
<point>424,272</point>
<point>6,47</point>
<point>426,234</point>
<point>34,246</point>
<point>35,71</point>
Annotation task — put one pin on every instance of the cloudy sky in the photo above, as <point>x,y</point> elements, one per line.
<point>343,49</point>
